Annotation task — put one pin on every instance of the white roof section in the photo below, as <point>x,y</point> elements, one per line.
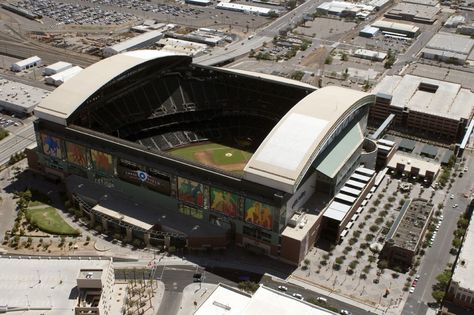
<point>58,66</point>
<point>403,27</point>
<point>243,8</point>
<point>63,76</point>
<point>336,211</point>
<point>360,178</point>
<point>450,42</point>
<point>370,54</point>
<point>137,40</point>
<point>230,301</point>
<point>344,197</point>
<point>386,142</point>
<point>121,217</point>
<point>20,285</point>
<point>60,104</point>
<point>365,171</point>
<point>463,272</point>
<point>289,149</point>
<point>350,191</point>
<point>353,183</point>
<point>271,77</point>
<point>449,100</point>
<point>27,61</point>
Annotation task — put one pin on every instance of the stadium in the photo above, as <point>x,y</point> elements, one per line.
<point>153,146</point>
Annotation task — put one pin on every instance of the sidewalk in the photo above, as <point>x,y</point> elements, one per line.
<point>195,292</point>
<point>313,286</point>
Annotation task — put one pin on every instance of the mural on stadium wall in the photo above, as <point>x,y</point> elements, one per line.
<point>224,202</point>
<point>51,146</point>
<point>259,213</point>
<point>102,161</point>
<point>76,154</point>
<point>190,191</point>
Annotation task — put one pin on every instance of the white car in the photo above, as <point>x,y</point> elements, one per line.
<point>441,217</point>
<point>417,277</point>
<point>452,196</point>
<point>282,288</point>
<point>412,289</point>
<point>321,299</point>
<point>345,312</point>
<point>455,205</point>
<point>298,296</point>
<point>465,169</point>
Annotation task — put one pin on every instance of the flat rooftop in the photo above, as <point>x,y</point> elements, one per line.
<point>407,234</point>
<point>301,230</point>
<point>90,274</point>
<point>21,95</point>
<point>450,42</point>
<point>465,266</point>
<point>413,161</point>
<point>416,11</point>
<point>231,301</point>
<point>445,99</point>
<point>20,284</point>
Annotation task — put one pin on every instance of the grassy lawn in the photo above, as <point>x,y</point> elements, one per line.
<point>35,203</point>
<point>48,220</point>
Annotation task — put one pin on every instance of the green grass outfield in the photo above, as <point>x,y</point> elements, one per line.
<point>218,153</point>
<point>48,220</point>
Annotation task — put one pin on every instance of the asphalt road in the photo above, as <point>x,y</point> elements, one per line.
<point>438,256</point>
<point>307,294</point>
<point>175,278</point>
<point>16,142</point>
<point>266,34</point>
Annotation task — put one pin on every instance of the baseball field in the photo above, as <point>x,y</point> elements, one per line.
<point>215,155</point>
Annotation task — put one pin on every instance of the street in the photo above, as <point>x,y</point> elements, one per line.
<point>16,142</point>
<point>438,256</point>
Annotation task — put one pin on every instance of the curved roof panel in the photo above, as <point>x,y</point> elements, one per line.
<point>287,152</point>
<point>60,104</point>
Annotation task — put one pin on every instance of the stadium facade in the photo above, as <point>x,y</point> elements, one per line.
<point>256,148</point>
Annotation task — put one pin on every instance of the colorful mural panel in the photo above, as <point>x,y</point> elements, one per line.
<point>259,213</point>
<point>102,161</point>
<point>51,146</point>
<point>190,191</point>
<point>76,154</point>
<point>224,201</point>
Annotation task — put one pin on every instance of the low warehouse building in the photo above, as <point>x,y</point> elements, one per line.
<point>448,47</point>
<point>56,68</point>
<point>401,29</point>
<point>141,41</point>
<point>26,64</point>
<point>18,98</point>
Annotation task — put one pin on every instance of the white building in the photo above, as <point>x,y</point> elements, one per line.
<point>56,68</point>
<point>461,288</point>
<point>39,285</point>
<point>19,98</point>
<point>61,77</point>
<point>181,47</point>
<point>245,8</point>
<point>227,300</point>
<point>141,41</point>
<point>26,64</point>
<point>370,54</point>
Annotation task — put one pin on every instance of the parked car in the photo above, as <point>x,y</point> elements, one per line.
<point>282,288</point>
<point>412,289</point>
<point>345,312</point>
<point>298,296</point>
<point>321,299</point>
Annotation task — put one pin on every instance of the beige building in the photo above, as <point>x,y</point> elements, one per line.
<point>429,108</point>
<point>95,288</point>
<point>461,288</point>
